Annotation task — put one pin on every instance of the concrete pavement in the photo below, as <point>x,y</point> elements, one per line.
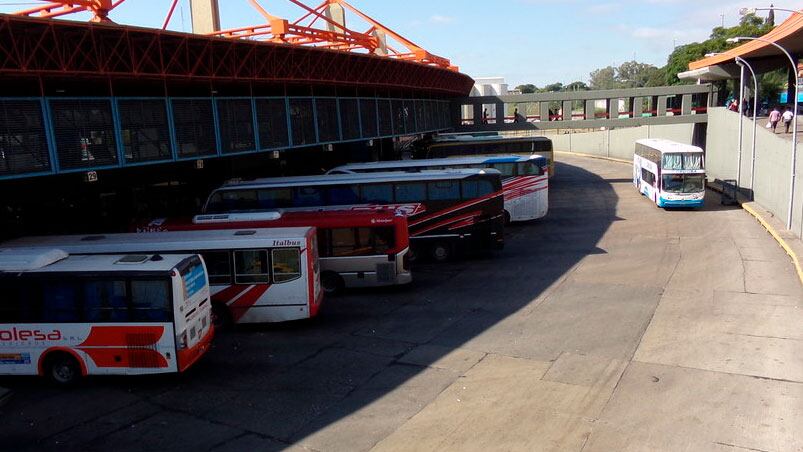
<point>609,325</point>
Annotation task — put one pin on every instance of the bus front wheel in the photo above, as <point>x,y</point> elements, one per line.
<point>331,283</point>
<point>63,369</point>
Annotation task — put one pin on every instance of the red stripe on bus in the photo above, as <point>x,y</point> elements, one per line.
<point>473,214</point>
<point>456,208</point>
<point>123,336</point>
<point>241,305</point>
<point>230,292</point>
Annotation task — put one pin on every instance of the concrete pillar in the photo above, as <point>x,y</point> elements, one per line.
<point>685,104</point>
<point>205,16</point>
<point>336,14</point>
<point>500,112</point>
<point>567,110</point>
<point>477,113</point>
<point>638,107</point>
<point>544,111</point>
<point>613,108</point>
<point>590,109</point>
<point>661,106</point>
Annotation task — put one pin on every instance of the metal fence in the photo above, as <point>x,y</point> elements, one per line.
<point>41,136</point>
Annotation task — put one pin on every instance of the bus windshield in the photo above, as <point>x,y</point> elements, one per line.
<point>683,183</point>
<point>685,161</point>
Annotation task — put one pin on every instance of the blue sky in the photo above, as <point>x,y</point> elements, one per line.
<point>526,41</point>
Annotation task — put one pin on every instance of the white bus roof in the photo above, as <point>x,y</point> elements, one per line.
<point>165,242</point>
<point>24,259</point>
<point>435,162</point>
<point>665,146</point>
<point>47,261</point>
<point>330,179</point>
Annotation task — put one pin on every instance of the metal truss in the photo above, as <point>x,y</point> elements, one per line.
<point>313,28</point>
<point>46,47</point>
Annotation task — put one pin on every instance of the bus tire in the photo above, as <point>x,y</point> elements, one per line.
<point>440,251</point>
<point>221,317</point>
<point>63,369</point>
<point>332,283</point>
<point>507,218</point>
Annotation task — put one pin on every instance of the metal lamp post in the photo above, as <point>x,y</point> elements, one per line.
<point>794,120</point>
<point>742,63</point>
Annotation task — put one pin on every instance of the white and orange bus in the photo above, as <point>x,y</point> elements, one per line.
<point>65,316</point>
<point>256,275</point>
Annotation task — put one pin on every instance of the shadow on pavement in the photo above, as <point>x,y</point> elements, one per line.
<point>279,384</point>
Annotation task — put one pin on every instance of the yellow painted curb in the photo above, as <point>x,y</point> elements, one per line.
<point>778,239</point>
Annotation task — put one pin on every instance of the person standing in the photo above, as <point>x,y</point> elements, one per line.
<point>787,118</point>
<point>775,116</point>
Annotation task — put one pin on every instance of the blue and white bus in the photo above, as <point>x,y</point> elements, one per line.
<point>670,174</point>
<point>525,179</point>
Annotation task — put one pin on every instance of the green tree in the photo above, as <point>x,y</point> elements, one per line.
<point>576,86</point>
<point>552,88</point>
<point>632,74</point>
<point>604,78</point>
<point>529,88</point>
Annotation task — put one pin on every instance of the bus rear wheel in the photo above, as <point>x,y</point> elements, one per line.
<point>221,317</point>
<point>331,283</point>
<point>440,252</point>
<point>63,369</point>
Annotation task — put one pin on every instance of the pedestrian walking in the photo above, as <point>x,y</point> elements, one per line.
<point>787,118</point>
<point>734,105</point>
<point>775,116</point>
<point>485,116</point>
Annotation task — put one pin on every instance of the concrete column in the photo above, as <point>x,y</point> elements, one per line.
<point>590,109</point>
<point>477,114</point>
<point>685,104</point>
<point>613,108</point>
<point>205,16</point>
<point>567,110</point>
<point>661,106</point>
<point>544,111</point>
<point>500,112</point>
<point>637,106</point>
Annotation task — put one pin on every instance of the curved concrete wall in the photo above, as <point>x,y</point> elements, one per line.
<point>619,143</point>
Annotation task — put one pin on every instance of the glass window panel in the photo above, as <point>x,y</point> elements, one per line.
<point>673,161</point>
<point>275,198</point>
<point>218,264</point>
<point>692,161</point>
<point>528,169</point>
<point>150,300</point>
<point>251,267</point>
<point>286,264</point>
<point>415,192</point>
<point>105,301</point>
<point>343,242</point>
<point>340,195</point>
<point>507,169</point>
<point>377,193</point>
<point>444,190</point>
<point>60,302</point>
<point>308,197</point>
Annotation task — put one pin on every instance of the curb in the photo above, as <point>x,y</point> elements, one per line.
<point>749,209</point>
<point>774,233</point>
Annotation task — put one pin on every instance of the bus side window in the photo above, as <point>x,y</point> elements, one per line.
<point>342,195</point>
<point>286,264</point>
<point>251,266</point>
<point>507,169</point>
<point>105,301</point>
<point>443,190</point>
<point>477,188</point>
<point>218,264</point>
<point>275,198</point>
<point>343,242</point>
<point>529,168</point>
<point>414,192</point>
<point>647,177</point>
<point>150,300</point>
<point>308,197</point>
<point>60,299</point>
<point>239,200</point>
<point>377,193</point>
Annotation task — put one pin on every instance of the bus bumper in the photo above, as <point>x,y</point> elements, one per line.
<point>188,357</point>
<point>680,202</point>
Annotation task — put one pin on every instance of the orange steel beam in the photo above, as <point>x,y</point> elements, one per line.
<point>277,29</point>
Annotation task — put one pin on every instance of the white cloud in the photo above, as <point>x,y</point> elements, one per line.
<point>438,19</point>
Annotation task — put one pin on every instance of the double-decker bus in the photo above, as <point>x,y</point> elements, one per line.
<point>447,211</point>
<point>256,275</point>
<point>670,174</point>
<point>452,145</point>
<point>65,316</point>
<point>356,248</point>
<point>525,181</point>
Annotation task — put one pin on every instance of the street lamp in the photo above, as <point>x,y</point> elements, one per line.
<point>742,63</point>
<point>794,119</point>
<point>746,11</point>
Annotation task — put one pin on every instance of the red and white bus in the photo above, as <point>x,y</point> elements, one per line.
<point>70,316</point>
<point>357,248</point>
<point>448,212</point>
<point>256,275</point>
<point>525,179</point>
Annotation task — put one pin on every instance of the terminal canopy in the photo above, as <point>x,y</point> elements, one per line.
<point>762,56</point>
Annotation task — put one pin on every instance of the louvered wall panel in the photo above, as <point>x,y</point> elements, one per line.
<point>195,127</point>
<point>23,140</point>
<point>144,130</point>
<point>83,130</point>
